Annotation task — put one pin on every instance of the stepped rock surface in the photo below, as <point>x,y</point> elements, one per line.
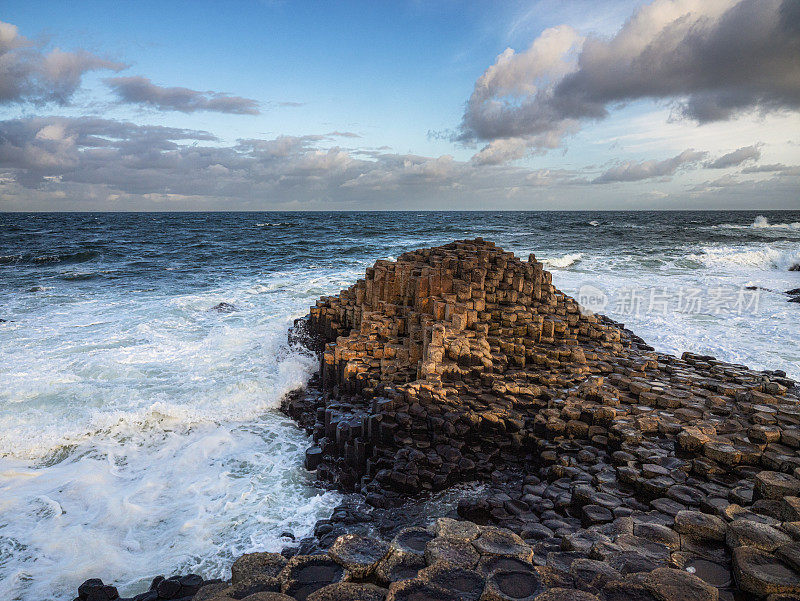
<point>607,471</point>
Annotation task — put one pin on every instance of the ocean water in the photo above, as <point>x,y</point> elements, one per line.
<point>139,430</point>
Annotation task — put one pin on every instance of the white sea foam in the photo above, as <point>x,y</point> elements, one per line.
<point>140,435</point>
<point>737,257</point>
<point>563,261</point>
<point>759,223</point>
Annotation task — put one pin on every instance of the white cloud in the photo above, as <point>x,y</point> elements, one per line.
<point>29,74</point>
<point>713,59</point>
<point>632,171</point>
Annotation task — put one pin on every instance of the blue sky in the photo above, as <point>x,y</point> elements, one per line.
<point>403,77</point>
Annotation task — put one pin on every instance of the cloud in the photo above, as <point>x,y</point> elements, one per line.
<point>712,59</point>
<point>632,171</point>
<point>140,90</point>
<point>737,157</point>
<point>29,74</point>
<point>100,158</point>
<point>777,168</point>
<point>501,151</point>
<point>86,163</point>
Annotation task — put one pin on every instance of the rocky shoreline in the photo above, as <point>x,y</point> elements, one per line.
<point>608,471</point>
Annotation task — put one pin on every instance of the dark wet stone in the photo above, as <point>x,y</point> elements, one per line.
<point>305,574</point>
<point>753,534</point>
<point>169,588</point>
<point>700,526</point>
<point>94,590</point>
<point>774,485</point>
<point>595,514</point>
<point>507,585</point>
<point>592,572</point>
<point>416,590</point>
<point>223,308</point>
<point>761,573</point>
<point>208,591</point>
<point>667,584</point>
<point>414,540</point>
<point>497,541</point>
<point>790,554</point>
<point>399,566</point>
<point>713,573</point>
<point>358,554</point>
<point>492,563</point>
<point>349,591</point>
<point>454,551</point>
<point>566,594</point>
<point>253,564</point>
<point>462,583</point>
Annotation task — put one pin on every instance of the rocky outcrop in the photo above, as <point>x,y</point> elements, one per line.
<point>609,471</point>
<point>464,363</point>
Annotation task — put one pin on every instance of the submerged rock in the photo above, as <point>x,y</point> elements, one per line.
<point>224,308</point>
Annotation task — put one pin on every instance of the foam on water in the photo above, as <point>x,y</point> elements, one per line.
<point>141,434</point>
<point>733,257</point>
<point>562,262</point>
<point>759,223</point>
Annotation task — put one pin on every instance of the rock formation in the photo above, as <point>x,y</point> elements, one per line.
<point>610,471</point>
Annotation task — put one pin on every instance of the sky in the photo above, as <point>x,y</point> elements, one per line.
<point>439,104</point>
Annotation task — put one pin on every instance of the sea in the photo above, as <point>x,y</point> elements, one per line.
<point>139,426</point>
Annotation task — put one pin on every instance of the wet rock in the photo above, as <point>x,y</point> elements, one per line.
<point>493,563</point>
<point>594,573</point>
<point>696,525</point>
<point>252,585</point>
<point>761,573</point>
<point>359,555</point>
<point>349,591</point>
<point>304,574</point>
<point>774,485</point>
<point>462,529</point>
<point>417,590</point>
<point>566,594</point>
<point>497,541</point>
<point>754,534</point>
<point>223,308</point>
<point>268,565</point>
<point>209,591</point>
<point>715,574</point>
<point>454,551</point>
<point>94,590</point>
<point>412,541</point>
<point>461,583</point>
<point>399,566</point>
<point>667,584</point>
<point>512,585</point>
<point>264,596</point>
<point>790,554</point>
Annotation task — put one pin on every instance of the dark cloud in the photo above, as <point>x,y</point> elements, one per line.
<point>113,158</point>
<point>140,90</point>
<point>30,74</point>
<point>632,171</point>
<point>94,164</point>
<point>713,59</point>
<point>737,157</point>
